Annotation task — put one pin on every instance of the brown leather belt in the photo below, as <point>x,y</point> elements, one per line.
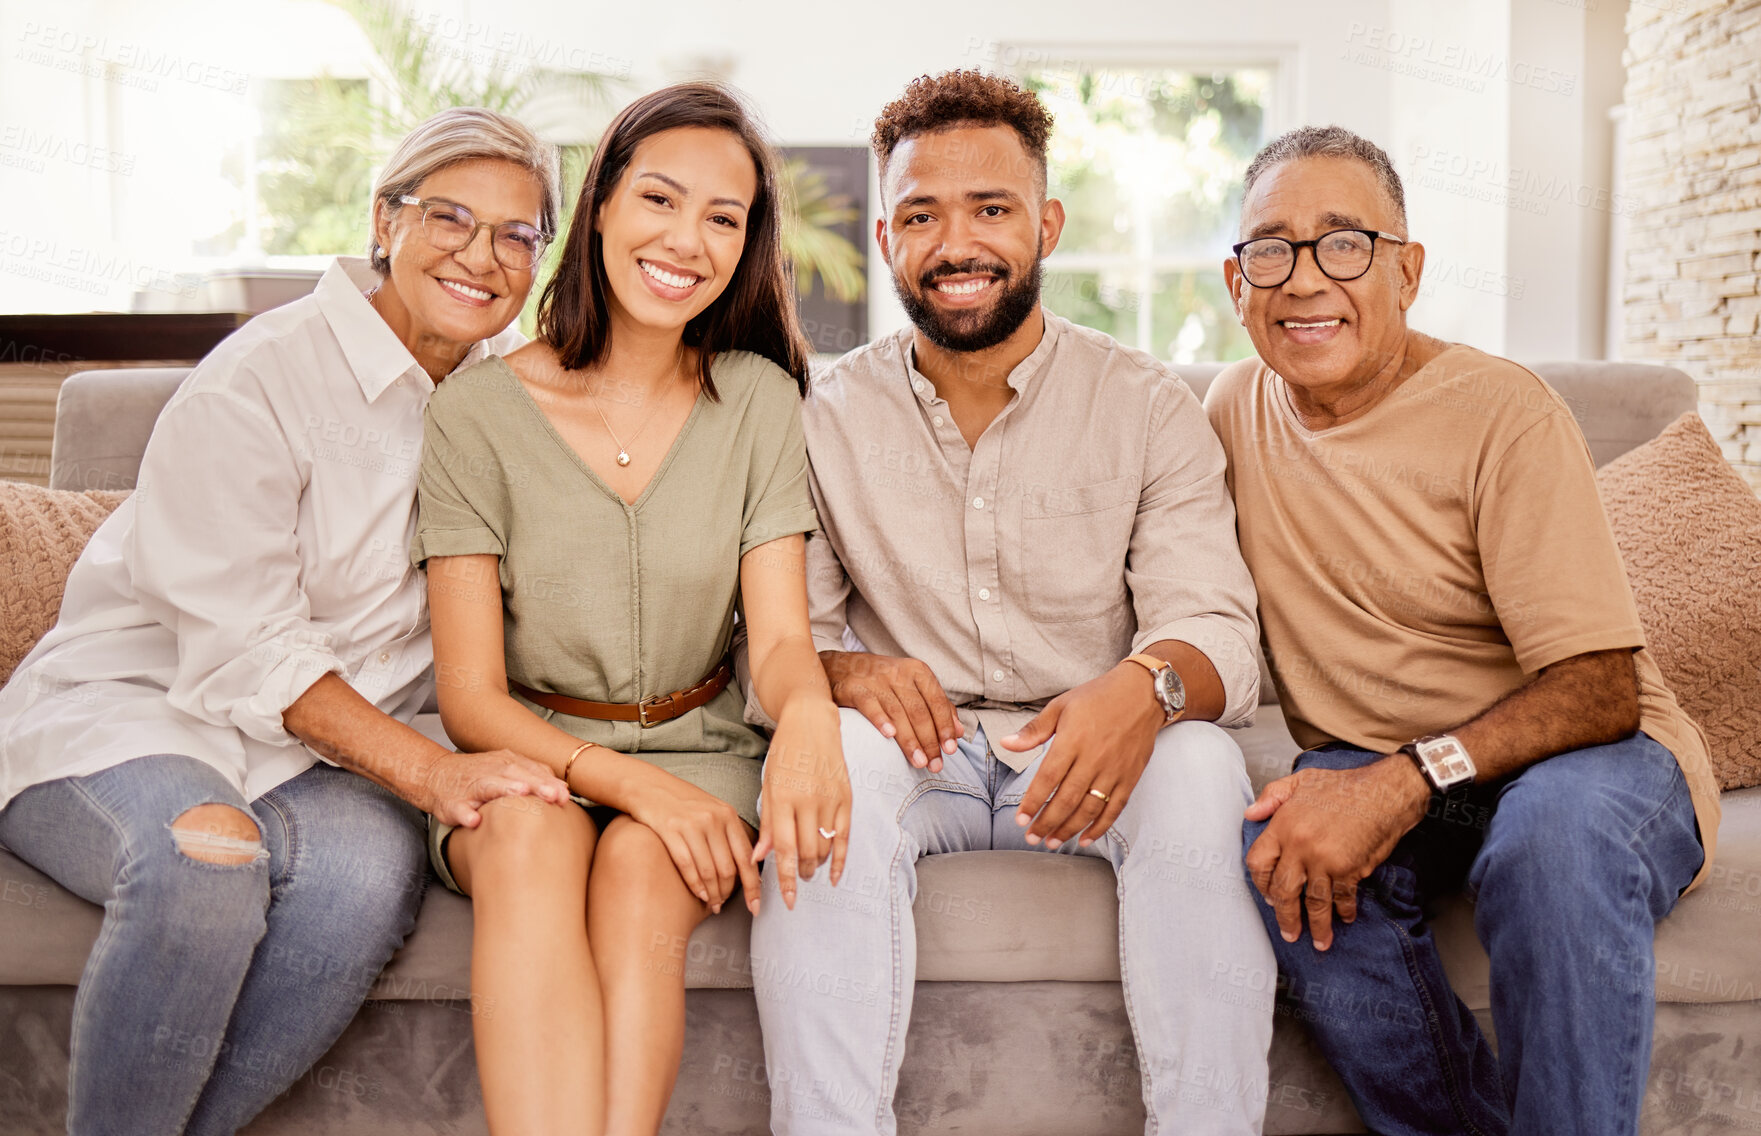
<point>649,711</point>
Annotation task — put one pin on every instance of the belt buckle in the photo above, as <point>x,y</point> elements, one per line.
<point>657,703</point>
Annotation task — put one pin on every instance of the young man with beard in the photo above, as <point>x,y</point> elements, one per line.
<point>1029,598</point>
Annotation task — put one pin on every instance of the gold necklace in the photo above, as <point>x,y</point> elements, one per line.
<point>623,451</point>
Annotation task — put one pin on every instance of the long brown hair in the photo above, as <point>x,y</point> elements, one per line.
<point>756,312</point>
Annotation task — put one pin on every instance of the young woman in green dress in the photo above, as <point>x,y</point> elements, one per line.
<point>595,507</point>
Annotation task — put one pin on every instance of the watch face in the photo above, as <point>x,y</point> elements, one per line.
<point>1448,762</point>
<point>1170,689</point>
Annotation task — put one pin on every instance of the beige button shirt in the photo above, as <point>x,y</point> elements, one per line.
<point>1090,520</point>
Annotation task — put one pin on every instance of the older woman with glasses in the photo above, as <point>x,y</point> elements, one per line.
<point>250,609</point>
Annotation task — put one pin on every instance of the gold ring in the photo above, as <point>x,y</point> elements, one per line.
<point>1098,793</point>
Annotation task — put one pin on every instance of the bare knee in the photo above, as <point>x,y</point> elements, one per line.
<point>631,847</point>
<point>217,834</point>
<point>527,834</point>
<point>632,870</point>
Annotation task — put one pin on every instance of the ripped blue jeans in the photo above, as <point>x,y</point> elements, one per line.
<point>225,966</point>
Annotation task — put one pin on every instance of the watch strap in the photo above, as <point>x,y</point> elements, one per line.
<point>1156,667</point>
<point>1148,662</point>
<point>1411,750</point>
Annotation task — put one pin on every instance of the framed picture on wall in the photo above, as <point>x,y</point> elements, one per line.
<point>831,185</point>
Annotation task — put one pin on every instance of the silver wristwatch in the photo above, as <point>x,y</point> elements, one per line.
<point>1170,691</point>
<point>1443,761</point>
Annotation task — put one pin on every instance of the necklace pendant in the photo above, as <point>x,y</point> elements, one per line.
<point>623,458</point>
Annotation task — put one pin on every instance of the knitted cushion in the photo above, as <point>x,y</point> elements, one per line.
<point>41,534</point>
<point>1689,530</point>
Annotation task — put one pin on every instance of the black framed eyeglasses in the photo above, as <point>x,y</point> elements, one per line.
<point>1343,254</point>
<point>450,227</point>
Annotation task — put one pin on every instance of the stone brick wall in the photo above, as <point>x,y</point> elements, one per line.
<point>1693,173</point>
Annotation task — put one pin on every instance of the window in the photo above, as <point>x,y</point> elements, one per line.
<point>1148,162</point>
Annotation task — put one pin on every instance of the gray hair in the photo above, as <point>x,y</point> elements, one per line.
<point>464,134</point>
<point>1328,142</point>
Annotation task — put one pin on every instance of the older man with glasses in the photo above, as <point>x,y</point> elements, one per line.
<point>1458,652</point>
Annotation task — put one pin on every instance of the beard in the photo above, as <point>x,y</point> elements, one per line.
<point>974,329</point>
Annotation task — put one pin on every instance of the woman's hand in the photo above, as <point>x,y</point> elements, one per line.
<point>806,794</point>
<point>704,835</point>
<point>455,786</point>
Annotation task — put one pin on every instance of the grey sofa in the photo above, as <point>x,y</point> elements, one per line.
<point>1019,1025</point>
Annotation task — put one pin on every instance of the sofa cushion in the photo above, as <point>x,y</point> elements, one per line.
<point>1689,530</point>
<point>102,422</point>
<point>42,532</point>
<point>46,932</point>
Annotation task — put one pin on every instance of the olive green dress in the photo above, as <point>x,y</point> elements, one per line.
<point>617,602</point>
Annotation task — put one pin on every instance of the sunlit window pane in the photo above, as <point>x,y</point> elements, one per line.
<point>1148,162</point>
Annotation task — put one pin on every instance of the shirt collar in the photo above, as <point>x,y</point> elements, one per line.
<point>1030,367</point>
<point>375,354</point>
<point>1023,373</point>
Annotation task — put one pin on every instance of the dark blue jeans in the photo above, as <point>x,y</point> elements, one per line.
<point>1572,862</point>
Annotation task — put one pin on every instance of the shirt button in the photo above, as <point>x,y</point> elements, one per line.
<point>917,385</point>
<point>385,656</point>
<point>978,502</point>
<point>996,676</point>
<point>937,420</point>
<point>984,593</point>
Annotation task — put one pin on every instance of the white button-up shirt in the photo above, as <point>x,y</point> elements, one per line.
<point>264,547</point>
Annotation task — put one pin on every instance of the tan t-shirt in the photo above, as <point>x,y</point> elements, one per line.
<point>1418,563</point>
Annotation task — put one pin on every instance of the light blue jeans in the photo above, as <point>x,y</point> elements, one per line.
<point>213,987</point>
<point>835,976</point>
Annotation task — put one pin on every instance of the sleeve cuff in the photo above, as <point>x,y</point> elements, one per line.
<point>454,542</point>
<point>259,716</point>
<point>1533,658</point>
<point>1234,658</point>
<point>800,520</point>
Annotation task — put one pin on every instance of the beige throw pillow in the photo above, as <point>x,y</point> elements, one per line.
<point>1689,530</point>
<point>42,532</point>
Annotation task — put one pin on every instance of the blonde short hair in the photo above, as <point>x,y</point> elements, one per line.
<point>464,134</point>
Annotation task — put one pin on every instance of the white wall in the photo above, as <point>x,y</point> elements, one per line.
<point>1501,130</point>
<point>1449,140</point>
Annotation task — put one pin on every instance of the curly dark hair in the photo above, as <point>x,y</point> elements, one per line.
<point>963,98</point>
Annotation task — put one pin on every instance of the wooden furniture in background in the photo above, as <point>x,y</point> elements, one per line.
<point>38,351</point>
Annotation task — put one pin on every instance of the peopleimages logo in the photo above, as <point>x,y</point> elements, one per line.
<point>33,147</point>
<point>84,269</point>
<point>486,44</point>
<point>1451,64</point>
<point>88,53</point>
<point>1527,190</point>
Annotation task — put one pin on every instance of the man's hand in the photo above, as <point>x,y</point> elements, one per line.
<point>1329,829</point>
<point>903,700</point>
<point>1105,732</point>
